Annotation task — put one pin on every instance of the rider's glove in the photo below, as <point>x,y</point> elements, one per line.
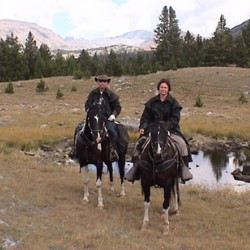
<point>111,118</point>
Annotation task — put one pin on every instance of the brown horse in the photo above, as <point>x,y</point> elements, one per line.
<point>159,167</point>
<point>93,147</point>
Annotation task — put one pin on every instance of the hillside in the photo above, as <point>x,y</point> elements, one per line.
<point>41,199</point>
<point>235,31</point>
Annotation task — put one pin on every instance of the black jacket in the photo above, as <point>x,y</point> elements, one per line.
<point>157,110</point>
<point>111,101</point>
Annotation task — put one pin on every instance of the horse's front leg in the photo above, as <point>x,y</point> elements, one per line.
<point>146,191</point>
<point>85,183</point>
<point>99,169</point>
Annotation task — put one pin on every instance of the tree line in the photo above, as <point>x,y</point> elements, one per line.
<point>172,51</point>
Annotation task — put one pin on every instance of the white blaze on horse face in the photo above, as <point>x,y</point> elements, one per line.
<point>98,139</point>
<point>158,151</point>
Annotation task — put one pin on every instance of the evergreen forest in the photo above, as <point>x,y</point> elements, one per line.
<point>172,51</point>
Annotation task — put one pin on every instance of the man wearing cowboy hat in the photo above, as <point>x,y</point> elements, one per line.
<point>112,108</point>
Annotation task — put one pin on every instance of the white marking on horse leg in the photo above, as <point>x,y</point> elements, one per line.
<point>111,186</point>
<point>166,221</point>
<point>85,183</point>
<point>146,215</point>
<point>174,202</point>
<point>122,189</point>
<point>99,188</point>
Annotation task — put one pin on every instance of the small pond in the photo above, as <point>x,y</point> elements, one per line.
<point>211,169</point>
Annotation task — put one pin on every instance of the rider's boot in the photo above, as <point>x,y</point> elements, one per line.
<point>185,173</point>
<point>134,173</point>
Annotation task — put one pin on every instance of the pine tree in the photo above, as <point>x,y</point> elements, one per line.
<point>112,65</point>
<point>11,59</point>
<point>223,44</point>
<point>246,37</point>
<point>168,40</point>
<point>30,55</point>
<point>241,52</point>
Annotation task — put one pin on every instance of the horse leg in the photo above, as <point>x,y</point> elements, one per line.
<point>167,197</point>
<point>121,165</point>
<point>99,169</point>
<point>174,203</point>
<point>146,191</point>
<point>111,178</point>
<point>85,183</point>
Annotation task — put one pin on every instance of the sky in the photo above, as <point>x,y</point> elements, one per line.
<point>91,19</point>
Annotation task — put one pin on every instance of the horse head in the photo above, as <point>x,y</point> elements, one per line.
<point>159,140</point>
<point>95,122</point>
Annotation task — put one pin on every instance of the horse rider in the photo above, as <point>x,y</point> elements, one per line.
<point>112,109</point>
<point>162,107</point>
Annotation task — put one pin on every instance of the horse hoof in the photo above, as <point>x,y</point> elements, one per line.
<point>85,200</point>
<point>165,231</point>
<point>122,193</point>
<point>144,226</point>
<point>100,206</point>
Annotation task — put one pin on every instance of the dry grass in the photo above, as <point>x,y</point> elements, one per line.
<point>41,203</point>
<point>41,208</point>
<point>28,117</point>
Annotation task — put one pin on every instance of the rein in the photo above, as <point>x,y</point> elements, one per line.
<point>160,166</point>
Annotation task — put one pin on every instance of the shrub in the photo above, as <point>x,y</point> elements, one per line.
<point>41,86</point>
<point>78,74</point>
<point>242,98</point>
<point>198,103</point>
<point>73,88</point>
<point>9,88</point>
<point>59,94</point>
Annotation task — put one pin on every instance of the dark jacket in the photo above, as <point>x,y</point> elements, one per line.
<point>111,101</point>
<point>168,111</point>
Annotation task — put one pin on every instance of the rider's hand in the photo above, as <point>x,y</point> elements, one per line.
<point>111,118</point>
<point>141,131</point>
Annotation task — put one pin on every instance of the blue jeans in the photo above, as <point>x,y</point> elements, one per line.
<point>112,130</point>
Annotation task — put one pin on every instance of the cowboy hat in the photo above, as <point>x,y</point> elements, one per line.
<point>102,78</point>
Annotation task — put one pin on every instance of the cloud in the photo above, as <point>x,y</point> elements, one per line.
<point>105,18</point>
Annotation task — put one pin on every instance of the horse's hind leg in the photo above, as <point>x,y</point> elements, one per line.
<point>167,198</point>
<point>85,183</point>
<point>166,221</point>
<point>111,178</point>
<point>121,165</point>
<point>174,203</point>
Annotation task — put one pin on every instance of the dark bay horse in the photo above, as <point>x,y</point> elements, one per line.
<point>159,167</point>
<point>93,147</point>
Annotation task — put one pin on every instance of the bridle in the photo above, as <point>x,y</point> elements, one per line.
<point>159,143</point>
<point>96,124</point>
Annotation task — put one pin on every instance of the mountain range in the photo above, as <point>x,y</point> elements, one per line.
<point>140,39</point>
<point>135,40</point>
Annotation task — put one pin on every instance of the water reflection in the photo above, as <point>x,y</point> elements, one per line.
<point>212,168</point>
<point>219,161</point>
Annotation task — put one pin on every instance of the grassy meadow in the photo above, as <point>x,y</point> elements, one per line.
<point>41,202</point>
